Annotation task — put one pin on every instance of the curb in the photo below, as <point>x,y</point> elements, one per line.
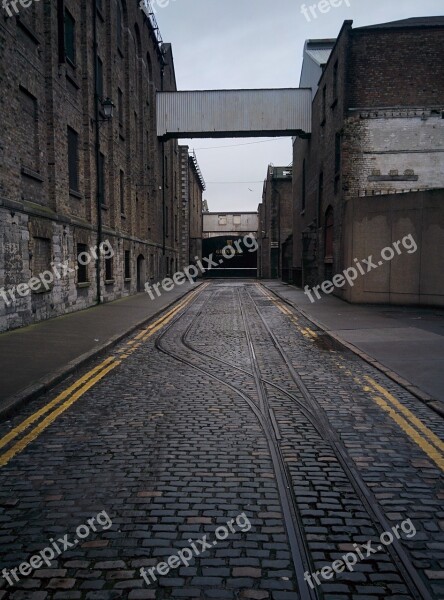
<point>436,405</point>
<point>46,384</point>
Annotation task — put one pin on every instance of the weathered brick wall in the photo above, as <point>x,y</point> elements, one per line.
<point>396,67</point>
<point>42,95</point>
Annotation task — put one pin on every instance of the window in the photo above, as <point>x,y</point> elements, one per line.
<point>338,141</point>
<point>222,220</point>
<point>101,189</point>
<point>108,269</point>
<point>83,259</point>
<point>324,105</point>
<point>176,232</point>
<point>304,186</point>
<point>100,78</point>
<point>236,220</point>
<point>335,80</point>
<point>73,159</point>
<point>28,124</point>
<point>320,196</point>
<point>70,37</point>
<point>41,258</point>
<point>120,106</point>
<point>119,29</point>
<point>166,221</point>
<point>122,192</point>
<point>127,264</point>
<point>328,235</point>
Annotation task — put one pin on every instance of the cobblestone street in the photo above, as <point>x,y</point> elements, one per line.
<point>230,426</point>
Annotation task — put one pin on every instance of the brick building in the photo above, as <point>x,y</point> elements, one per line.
<point>276,224</point>
<point>192,186</point>
<point>58,164</point>
<point>372,170</point>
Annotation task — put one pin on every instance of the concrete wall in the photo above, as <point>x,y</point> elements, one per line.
<point>374,223</point>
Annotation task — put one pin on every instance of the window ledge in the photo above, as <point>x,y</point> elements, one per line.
<point>84,284</point>
<point>43,290</point>
<point>32,174</point>
<point>29,32</point>
<point>109,281</point>
<point>76,194</point>
<point>70,77</point>
<point>128,279</point>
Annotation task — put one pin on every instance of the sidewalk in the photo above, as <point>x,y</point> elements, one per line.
<point>35,358</point>
<point>407,342</point>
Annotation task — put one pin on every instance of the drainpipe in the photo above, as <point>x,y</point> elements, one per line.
<point>97,148</point>
<point>162,74</point>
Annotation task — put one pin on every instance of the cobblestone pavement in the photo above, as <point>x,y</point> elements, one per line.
<point>231,427</point>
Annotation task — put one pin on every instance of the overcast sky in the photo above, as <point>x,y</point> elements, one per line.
<point>230,44</point>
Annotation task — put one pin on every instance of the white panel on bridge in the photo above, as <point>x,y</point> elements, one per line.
<point>234,113</point>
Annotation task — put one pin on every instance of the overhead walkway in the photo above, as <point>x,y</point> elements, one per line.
<point>234,113</point>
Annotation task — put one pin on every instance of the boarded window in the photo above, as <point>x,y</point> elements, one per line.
<point>222,220</point>
<point>83,259</point>
<point>73,159</point>
<point>329,228</point>
<point>120,106</point>
<point>122,192</point>
<point>28,123</point>
<point>108,269</point>
<point>127,264</point>
<point>100,79</point>
<point>41,258</point>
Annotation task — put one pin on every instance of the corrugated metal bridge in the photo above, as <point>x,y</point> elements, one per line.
<point>234,113</point>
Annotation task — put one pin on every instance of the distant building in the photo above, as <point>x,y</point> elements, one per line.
<point>372,171</point>
<point>229,229</point>
<point>192,206</point>
<point>276,224</point>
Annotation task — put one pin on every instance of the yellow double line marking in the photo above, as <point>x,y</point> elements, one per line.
<point>419,433</point>
<point>69,396</point>
<point>409,423</point>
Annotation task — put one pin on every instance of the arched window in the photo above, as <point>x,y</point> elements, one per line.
<point>328,235</point>
<point>304,185</point>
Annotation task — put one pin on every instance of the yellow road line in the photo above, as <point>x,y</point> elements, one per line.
<point>406,412</point>
<point>31,436</point>
<point>430,450</point>
<point>82,385</point>
<point>30,420</point>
